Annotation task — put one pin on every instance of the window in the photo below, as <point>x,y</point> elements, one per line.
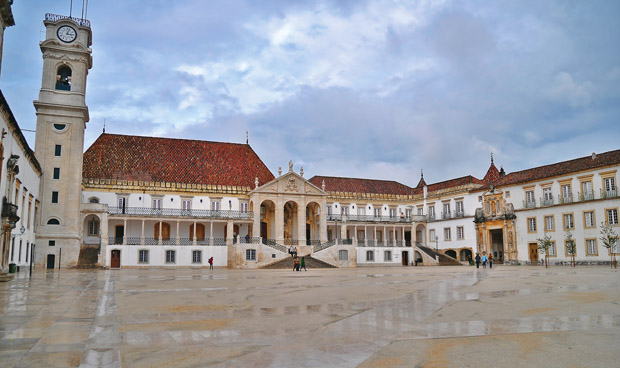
<point>93,200</point>
<point>507,194</point>
<point>170,256</point>
<point>531,224</point>
<point>549,223</point>
<point>244,207</point>
<point>387,255</point>
<point>460,208</point>
<point>197,256</point>
<point>392,212</point>
<point>568,251</point>
<point>143,256</point>
<point>63,78</point>
<point>569,222</point>
<point>343,255</point>
<point>431,235</point>
<point>421,211</point>
<point>186,204</point>
<point>408,213</point>
<point>329,210</point>
<point>460,233</point>
<point>27,250</point>
<point>591,247</point>
<point>122,203</point>
<point>54,197</point>
<point>587,192</point>
<point>547,196</point>
<point>57,150</point>
<point>567,194</point>
<point>361,211</point>
<point>93,227</point>
<point>610,186</point>
<point>215,205</point>
<point>431,211</point>
<point>156,203</point>
<point>345,210</point>
<point>612,216</point>
<point>552,250</point>
<point>589,220</point>
<point>377,212</point>
<point>250,254</point>
<point>370,255</point>
<point>30,197</point>
<point>529,197</point>
<point>446,233</point>
<point>52,243</point>
<point>59,126</point>
<point>53,222</point>
<point>446,210</point>
<point>479,198</point>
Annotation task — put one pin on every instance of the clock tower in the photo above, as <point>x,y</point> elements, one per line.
<point>62,115</point>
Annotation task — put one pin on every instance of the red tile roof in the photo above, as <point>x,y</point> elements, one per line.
<point>450,184</point>
<point>562,168</point>
<point>492,175</point>
<point>354,185</point>
<point>126,157</point>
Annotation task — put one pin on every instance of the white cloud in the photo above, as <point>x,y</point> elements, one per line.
<point>564,88</point>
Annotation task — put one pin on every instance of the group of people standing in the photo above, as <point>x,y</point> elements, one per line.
<point>484,259</point>
<point>298,263</point>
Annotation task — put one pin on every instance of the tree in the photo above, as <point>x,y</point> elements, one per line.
<point>571,247</point>
<point>544,245</point>
<point>610,241</point>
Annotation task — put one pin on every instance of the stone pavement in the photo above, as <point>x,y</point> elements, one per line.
<point>368,317</point>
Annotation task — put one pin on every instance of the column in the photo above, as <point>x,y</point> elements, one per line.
<point>365,236</point>
<point>125,232</point>
<point>343,231</point>
<point>301,223</point>
<point>323,222</point>
<point>279,221</point>
<point>142,233</point>
<point>178,239</point>
<point>160,237</point>
<point>504,242</point>
<point>256,220</point>
<point>194,237</point>
<point>229,232</point>
<point>211,233</point>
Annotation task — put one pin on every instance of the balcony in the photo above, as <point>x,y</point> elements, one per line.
<point>370,218</point>
<point>547,202</point>
<point>9,213</point>
<point>174,212</point>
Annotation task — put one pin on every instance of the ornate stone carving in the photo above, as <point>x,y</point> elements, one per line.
<point>291,185</point>
<point>256,182</point>
<point>323,185</point>
<point>290,166</point>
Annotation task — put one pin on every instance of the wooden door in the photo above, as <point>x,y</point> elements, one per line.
<point>115,261</point>
<point>405,258</point>
<point>200,232</point>
<point>263,230</point>
<point>533,253</point>
<point>165,231</point>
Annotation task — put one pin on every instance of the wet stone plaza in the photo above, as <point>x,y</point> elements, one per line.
<point>508,316</point>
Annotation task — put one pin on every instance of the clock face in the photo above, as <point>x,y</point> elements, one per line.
<point>66,34</point>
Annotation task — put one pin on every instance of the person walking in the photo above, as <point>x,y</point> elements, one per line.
<point>490,260</point>
<point>211,263</point>
<point>477,260</point>
<point>302,264</point>
<point>484,260</point>
<point>296,264</point>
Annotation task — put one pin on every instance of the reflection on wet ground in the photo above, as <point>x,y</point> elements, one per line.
<point>334,318</point>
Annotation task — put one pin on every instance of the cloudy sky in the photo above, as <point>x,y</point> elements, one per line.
<point>374,89</point>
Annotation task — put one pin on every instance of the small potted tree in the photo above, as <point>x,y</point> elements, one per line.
<point>610,241</point>
<point>544,244</point>
<point>571,247</point>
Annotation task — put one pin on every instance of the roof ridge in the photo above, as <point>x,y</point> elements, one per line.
<point>172,138</point>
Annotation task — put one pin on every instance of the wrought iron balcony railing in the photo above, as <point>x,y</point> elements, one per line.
<point>177,212</point>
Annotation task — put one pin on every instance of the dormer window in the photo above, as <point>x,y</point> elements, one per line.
<point>63,78</point>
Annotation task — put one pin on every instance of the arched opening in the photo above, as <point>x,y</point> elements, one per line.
<point>267,220</point>
<point>200,232</point>
<point>451,253</point>
<point>165,230</point>
<point>63,78</point>
<point>420,234</point>
<point>53,221</point>
<point>93,200</point>
<point>466,254</point>
<point>417,258</point>
<point>313,223</point>
<point>290,223</point>
<point>91,229</point>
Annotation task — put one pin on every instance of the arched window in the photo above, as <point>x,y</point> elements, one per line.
<point>63,78</point>
<point>53,222</point>
<point>93,227</point>
<point>93,200</point>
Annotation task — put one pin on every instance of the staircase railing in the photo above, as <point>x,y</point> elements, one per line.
<point>327,244</point>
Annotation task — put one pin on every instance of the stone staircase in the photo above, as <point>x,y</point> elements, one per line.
<point>88,258</point>
<point>287,263</point>
<point>444,260</point>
